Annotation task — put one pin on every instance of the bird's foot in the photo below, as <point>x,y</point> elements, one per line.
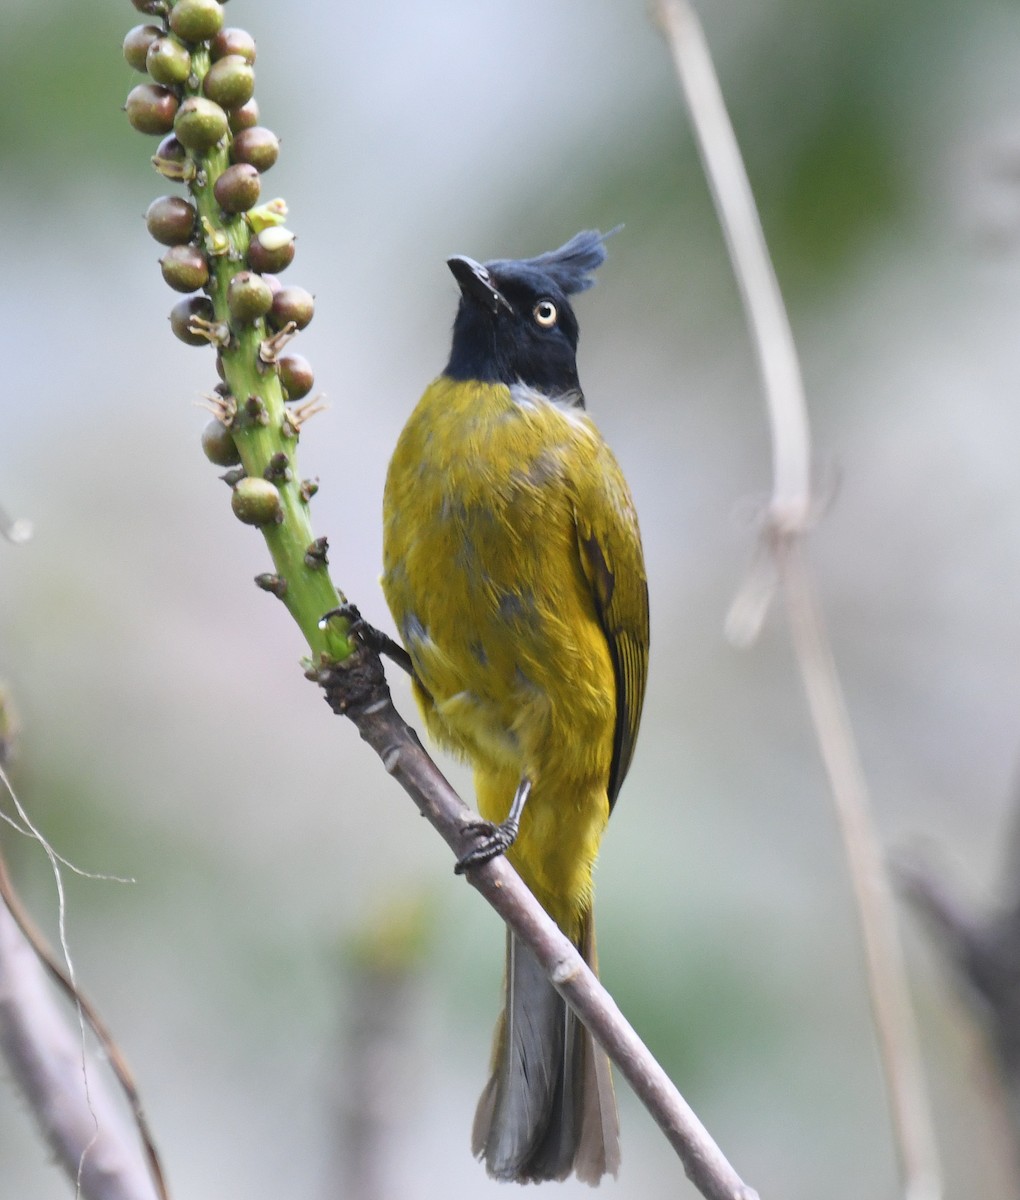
<point>492,841</point>
<point>368,636</point>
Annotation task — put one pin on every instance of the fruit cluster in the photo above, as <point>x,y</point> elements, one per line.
<point>225,247</point>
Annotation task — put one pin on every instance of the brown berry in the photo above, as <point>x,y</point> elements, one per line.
<point>151,108</point>
<point>233,41</point>
<point>257,145</point>
<point>248,297</point>
<point>296,376</point>
<point>185,268</point>
<point>292,304</point>
<point>271,250</point>
<point>137,43</point>
<point>238,188</point>
<point>170,220</point>
<point>218,444</point>
<point>184,312</point>
<point>244,117</point>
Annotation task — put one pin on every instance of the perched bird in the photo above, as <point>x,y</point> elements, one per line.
<point>514,572</point>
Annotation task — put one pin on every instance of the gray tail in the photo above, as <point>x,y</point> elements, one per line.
<point>549,1107</point>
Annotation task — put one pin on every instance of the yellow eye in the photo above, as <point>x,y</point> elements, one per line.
<point>545,313</point>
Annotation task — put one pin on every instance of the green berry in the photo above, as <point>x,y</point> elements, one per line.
<point>168,62</point>
<point>137,43</point>
<point>238,188</point>
<point>230,81</point>
<point>248,297</point>
<point>233,41</point>
<point>185,268</point>
<point>151,108</point>
<point>196,20</point>
<point>170,220</point>
<point>218,445</point>
<point>257,145</point>
<point>200,123</point>
<point>256,502</point>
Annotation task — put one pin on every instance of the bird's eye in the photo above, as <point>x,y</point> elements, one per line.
<point>545,313</point>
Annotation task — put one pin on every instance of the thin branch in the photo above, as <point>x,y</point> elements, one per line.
<point>788,517</point>
<point>357,689</point>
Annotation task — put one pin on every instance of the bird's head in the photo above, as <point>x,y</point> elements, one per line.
<point>515,324</point>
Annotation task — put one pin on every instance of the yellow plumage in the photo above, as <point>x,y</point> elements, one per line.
<point>513,569</point>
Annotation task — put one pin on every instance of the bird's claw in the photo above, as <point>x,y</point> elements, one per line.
<point>493,840</point>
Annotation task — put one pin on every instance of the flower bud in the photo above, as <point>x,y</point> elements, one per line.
<point>182,314</point>
<point>271,250</point>
<point>184,268</point>
<point>196,20</point>
<point>238,188</point>
<point>170,220</point>
<point>168,62</point>
<point>137,43</point>
<point>296,377</point>
<point>230,81</point>
<point>292,304</point>
<point>244,117</point>
<point>219,446</point>
<point>233,41</point>
<point>257,145</point>
<point>200,123</point>
<point>151,108</point>
<point>256,502</point>
<point>248,297</point>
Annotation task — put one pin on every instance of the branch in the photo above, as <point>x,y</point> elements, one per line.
<point>788,518</point>
<point>358,690</point>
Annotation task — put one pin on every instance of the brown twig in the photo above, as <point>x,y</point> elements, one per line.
<point>358,690</point>
<point>788,517</point>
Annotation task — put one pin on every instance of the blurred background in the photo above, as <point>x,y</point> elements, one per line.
<point>295,956</point>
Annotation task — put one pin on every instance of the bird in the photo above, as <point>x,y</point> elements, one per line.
<point>513,568</point>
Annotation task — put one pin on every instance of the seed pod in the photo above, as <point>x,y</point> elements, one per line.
<point>233,41</point>
<point>230,81</point>
<point>182,314</point>
<point>271,250</point>
<point>244,117</point>
<point>151,108</point>
<point>184,268</point>
<point>248,297</point>
<point>296,377</point>
<point>238,188</point>
<point>196,20</point>
<point>200,123</point>
<point>257,145</point>
<point>137,42</point>
<point>168,62</point>
<point>256,502</point>
<point>292,304</point>
<point>170,220</point>
<point>218,445</point>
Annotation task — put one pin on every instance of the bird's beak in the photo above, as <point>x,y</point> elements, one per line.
<point>475,282</point>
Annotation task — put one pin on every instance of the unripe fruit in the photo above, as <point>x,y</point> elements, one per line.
<point>244,117</point>
<point>230,82</point>
<point>296,376</point>
<point>137,42</point>
<point>257,145</point>
<point>170,220</point>
<point>200,123</point>
<point>168,62</point>
<point>218,445</point>
<point>238,188</point>
<point>248,297</point>
<point>151,108</point>
<point>292,304</point>
<point>196,20</point>
<point>184,268</point>
<point>233,41</point>
<point>256,502</point>
<point>182,314</point>
<point>271,250</point>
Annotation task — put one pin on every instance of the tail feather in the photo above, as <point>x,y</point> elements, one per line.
<point>548,1108</point>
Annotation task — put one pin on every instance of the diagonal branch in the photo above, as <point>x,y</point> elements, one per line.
<point>357,689</point>
<point>787,519</point>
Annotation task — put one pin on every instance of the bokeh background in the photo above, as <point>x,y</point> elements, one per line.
<point>295,975</point>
